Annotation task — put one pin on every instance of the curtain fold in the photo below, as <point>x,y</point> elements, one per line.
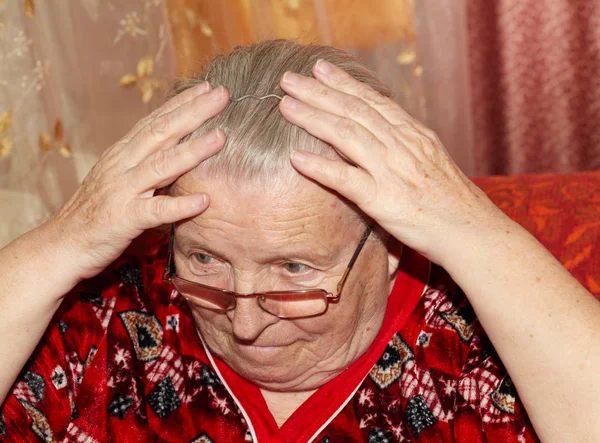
<point>442,45</point>
<point>536,90</point>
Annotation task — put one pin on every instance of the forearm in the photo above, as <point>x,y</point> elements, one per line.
<point>34,276</point>
<point>544,325</point>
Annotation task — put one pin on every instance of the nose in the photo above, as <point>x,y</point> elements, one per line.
<point>249,320</point>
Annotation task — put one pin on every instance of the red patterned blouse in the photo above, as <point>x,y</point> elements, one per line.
<point>122,361</point>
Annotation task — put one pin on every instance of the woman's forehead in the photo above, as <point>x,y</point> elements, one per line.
<point>300,210</point>
<point>280,198</point>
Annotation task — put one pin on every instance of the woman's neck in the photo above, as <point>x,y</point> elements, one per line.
<point>283,404</point>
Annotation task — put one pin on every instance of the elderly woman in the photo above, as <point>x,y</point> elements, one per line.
<point>303,289</point>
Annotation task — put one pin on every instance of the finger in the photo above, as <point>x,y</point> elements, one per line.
<point>323,97</point>
<point>338,79</point>
<point>151,212</point>
<point>349,181</point>
<point>401,127</point>
<point>166,131</point>
<point>166,165</point>
<point>170,105</point>
<point>346,136</point>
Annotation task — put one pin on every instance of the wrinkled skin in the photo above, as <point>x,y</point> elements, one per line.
<point>117,200</point>
<point>405,180</point>
<point>250,233</point>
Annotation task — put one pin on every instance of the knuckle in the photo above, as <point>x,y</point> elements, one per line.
<point>345,128</point>
<point>389,129</point>
<point>431,135</point>
<point>157,209</point>
<point>354,107</point>
<point>404,127</point>
<point>112,158</point>
<point>345,81</point>
<point>374,97</point>
<point>157,112</point>
<point>130,182</point>
<point>178,151</point>
<point>159,164</point>
<point>159,127</point>
<point>144,121</point>
<point>311,116</point>
<point>182,153</point>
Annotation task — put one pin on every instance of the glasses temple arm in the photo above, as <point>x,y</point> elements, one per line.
<point>362,242</point>
<point>170,268</point>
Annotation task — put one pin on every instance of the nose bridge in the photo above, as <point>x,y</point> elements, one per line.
<point>245,283</point>
<point>252,282</point>
<point>248,318</point>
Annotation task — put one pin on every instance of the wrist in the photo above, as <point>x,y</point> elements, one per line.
<point>53,257</point>
<point>480,238</point>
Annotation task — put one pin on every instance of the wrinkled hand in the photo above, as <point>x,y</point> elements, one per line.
<point>116,201</point>
<point>401,175</point>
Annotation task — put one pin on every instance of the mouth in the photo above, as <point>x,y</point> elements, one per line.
<point>260,343</point>
<point>264,346</point>
<point>264,350</point>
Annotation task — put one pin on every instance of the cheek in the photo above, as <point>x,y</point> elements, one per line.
<point>365,296</point>
<point>211,323</point>
<point>362,298</point>
<point>217,328</point>
<point>337,324</point>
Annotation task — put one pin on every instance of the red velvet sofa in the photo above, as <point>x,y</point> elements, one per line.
<point>562,211</point>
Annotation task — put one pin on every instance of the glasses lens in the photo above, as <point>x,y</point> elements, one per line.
<point>205,297</point>
<point>294,304</point>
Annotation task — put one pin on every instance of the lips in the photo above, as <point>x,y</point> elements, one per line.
<point>262,344</point>
<point>266,346</point>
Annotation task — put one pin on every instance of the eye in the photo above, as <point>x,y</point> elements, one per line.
<point>203,258</point>
<point>295,268</point>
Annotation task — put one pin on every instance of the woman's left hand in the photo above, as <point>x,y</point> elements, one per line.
<point>401,175</point>
<point>542,322</point>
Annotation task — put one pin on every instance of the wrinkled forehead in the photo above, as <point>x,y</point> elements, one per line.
<point>269,210</point>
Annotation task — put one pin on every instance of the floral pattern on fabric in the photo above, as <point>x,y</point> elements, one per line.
<point>122,362</point>
<point>448,387</point>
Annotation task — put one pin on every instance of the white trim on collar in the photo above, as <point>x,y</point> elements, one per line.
<point>238,403</point>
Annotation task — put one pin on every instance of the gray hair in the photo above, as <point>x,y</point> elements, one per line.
<point>260,140</point>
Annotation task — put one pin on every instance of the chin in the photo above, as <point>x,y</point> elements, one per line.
<point>273,357</point>
<point>266,366</point>
<point>265,379</point>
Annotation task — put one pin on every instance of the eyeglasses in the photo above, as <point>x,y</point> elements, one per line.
<point>283,304</point>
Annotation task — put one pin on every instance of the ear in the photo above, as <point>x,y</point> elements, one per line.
<point>394,248</point>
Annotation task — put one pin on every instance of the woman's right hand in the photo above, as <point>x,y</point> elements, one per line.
<point>116,201</point>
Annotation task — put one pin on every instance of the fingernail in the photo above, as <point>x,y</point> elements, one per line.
<point>299,156</point>
<point>290,78</point>
<point>202,88</point>
<point>217,93</point>
<point>212,136</point>
<point>199,201</point>
<point>323,67</point>
<point>289,102</point>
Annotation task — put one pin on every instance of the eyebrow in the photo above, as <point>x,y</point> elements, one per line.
<point>321,256</point>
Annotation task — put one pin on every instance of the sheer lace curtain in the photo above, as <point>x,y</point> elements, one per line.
<point>76,75</point>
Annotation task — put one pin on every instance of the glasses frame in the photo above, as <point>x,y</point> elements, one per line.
<point>170,276</point>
